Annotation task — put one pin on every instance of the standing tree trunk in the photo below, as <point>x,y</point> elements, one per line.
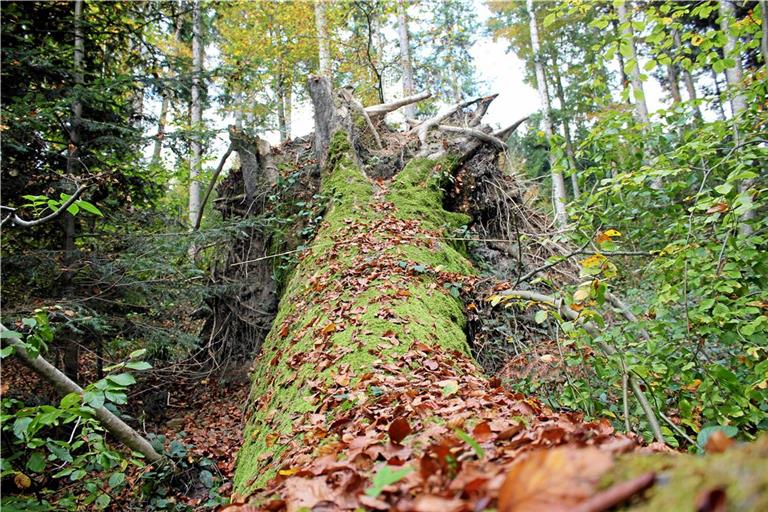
<point>638,92</point>
<point>734,76</point>
<point>196,159</point>
<point>558,184</point>
<point>570,152</point>
<point>674,85</point>
<point>162,120</point>
<point>764,38</point>
<point>366,371</point>
<point>628,38</point>
<point>690,85</point>
<point>409,83</point>
<point>324,53</point>
<point>71,353</point>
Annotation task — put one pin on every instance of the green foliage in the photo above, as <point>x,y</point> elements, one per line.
<point>65,441</point>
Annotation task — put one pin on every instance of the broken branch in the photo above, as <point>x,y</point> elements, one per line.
<point>210,187</point>
<point>385,108</point>
<point>18,221</point>
<point>114,425</point>
<point>486,137</point>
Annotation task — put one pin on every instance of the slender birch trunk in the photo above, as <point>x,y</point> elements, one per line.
<point>558,184</point>
<point>409,84</point>
<point>324,53</point>
<point>196,158</point>
<point>570,152</point>
<point>690,85</point>
<point>734,77</point>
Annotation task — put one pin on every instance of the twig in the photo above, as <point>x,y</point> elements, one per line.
<point>18,221</point>
<point>475,133</point>
<point>616,494</point>
<point>210,187</point>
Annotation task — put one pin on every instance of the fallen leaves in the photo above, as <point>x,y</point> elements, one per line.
<point>398,430</point>
<point>553,480</point>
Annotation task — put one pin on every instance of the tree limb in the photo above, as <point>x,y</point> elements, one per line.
<point>475,133</point>
<point>210,187</point>
<point>114,425</point>
<point>18,221</point>
<point>383,109</point>
<point>359,107</point>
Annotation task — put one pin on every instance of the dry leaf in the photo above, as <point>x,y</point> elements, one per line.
<point>398,430</point>
<point>718,442</point>
<point>553,480</point>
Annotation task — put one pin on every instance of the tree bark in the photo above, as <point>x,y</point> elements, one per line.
<point>570,152</point>
<point>674,85</point>
<point>196,159</point>
<point>409,83</point>
<point>324,54</point>
<point>162,120</point>
<point>628,36</point>
<point>734,76</point>
<point>690,85</point>
<point>764,38</point>
<point>558,184</point>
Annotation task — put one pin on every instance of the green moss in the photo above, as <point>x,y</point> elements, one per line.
<point>742,472</point>
<point>280,394</point>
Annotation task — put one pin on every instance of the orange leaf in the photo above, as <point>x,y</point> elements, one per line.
<point>718,208</point>
<point>328,329</point>
<point>482,432</point>
<point>718,442</point>
<point>553,480</point>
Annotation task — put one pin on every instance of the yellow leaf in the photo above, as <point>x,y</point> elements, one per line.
<point>580,295</point>
<point>288,472</point>
<point>696,40</point>
<point>593,261</point>
<point>612,233</point>
<point>22,481</point>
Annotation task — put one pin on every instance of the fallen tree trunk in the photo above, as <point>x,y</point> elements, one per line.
<point>64,385</point>
<point>365,393</point>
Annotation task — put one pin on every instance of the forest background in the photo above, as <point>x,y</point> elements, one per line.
<point>645,143</point>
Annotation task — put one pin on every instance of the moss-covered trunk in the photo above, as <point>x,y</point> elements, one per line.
<point>365,378</point>
<point>371,285</point>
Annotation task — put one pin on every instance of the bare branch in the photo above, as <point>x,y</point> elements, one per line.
<point>475,133</point>
<point>18,221</point>
<point>383,109</point>
<point>359,107</point>
<point>506,132</point>
<point>210,187</point>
